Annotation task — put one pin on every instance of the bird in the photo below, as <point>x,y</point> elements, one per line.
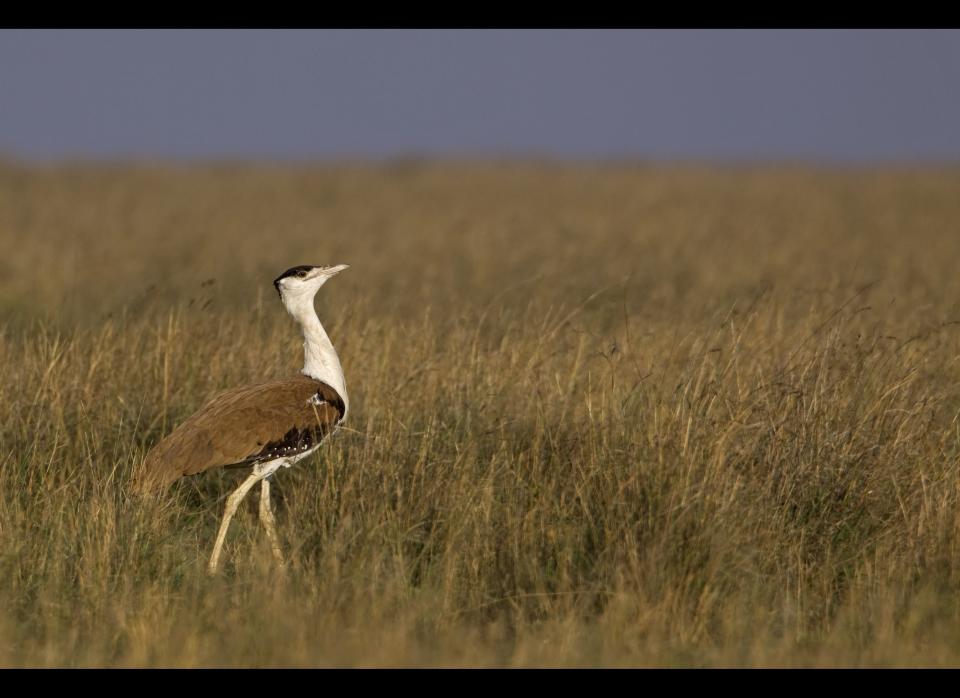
<point>266,426</point>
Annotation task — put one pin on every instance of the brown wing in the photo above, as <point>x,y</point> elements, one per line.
<point>244,426</point>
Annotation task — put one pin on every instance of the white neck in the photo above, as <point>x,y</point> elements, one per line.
<point>320,360</point>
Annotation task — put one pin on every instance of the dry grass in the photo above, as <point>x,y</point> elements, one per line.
<point>601,416</point>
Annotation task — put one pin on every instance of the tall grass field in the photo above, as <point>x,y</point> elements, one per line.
<point>600,415</point>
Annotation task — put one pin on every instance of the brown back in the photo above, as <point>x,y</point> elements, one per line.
<point>244,426</point>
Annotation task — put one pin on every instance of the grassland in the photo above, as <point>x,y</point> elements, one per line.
<point>600,415</point>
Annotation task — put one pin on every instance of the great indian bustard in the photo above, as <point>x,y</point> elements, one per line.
<point>266,426</point>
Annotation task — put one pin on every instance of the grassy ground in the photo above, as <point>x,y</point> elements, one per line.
<point>601,416</point>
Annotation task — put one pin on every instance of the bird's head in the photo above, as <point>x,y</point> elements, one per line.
<point>298,285</point>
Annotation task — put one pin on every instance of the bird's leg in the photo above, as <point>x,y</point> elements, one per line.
<point>269,522</point>
<point>233,501</point>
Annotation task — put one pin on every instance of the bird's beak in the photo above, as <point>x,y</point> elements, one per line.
<point>333,271</point>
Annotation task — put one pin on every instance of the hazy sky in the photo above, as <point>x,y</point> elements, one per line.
<point>798,95</point>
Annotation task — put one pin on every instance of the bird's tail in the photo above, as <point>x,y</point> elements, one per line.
<point>148,479</point>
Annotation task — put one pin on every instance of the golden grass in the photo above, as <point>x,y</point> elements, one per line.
<point>600,415</point>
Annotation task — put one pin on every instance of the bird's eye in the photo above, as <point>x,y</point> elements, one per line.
<point>301,273</point>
